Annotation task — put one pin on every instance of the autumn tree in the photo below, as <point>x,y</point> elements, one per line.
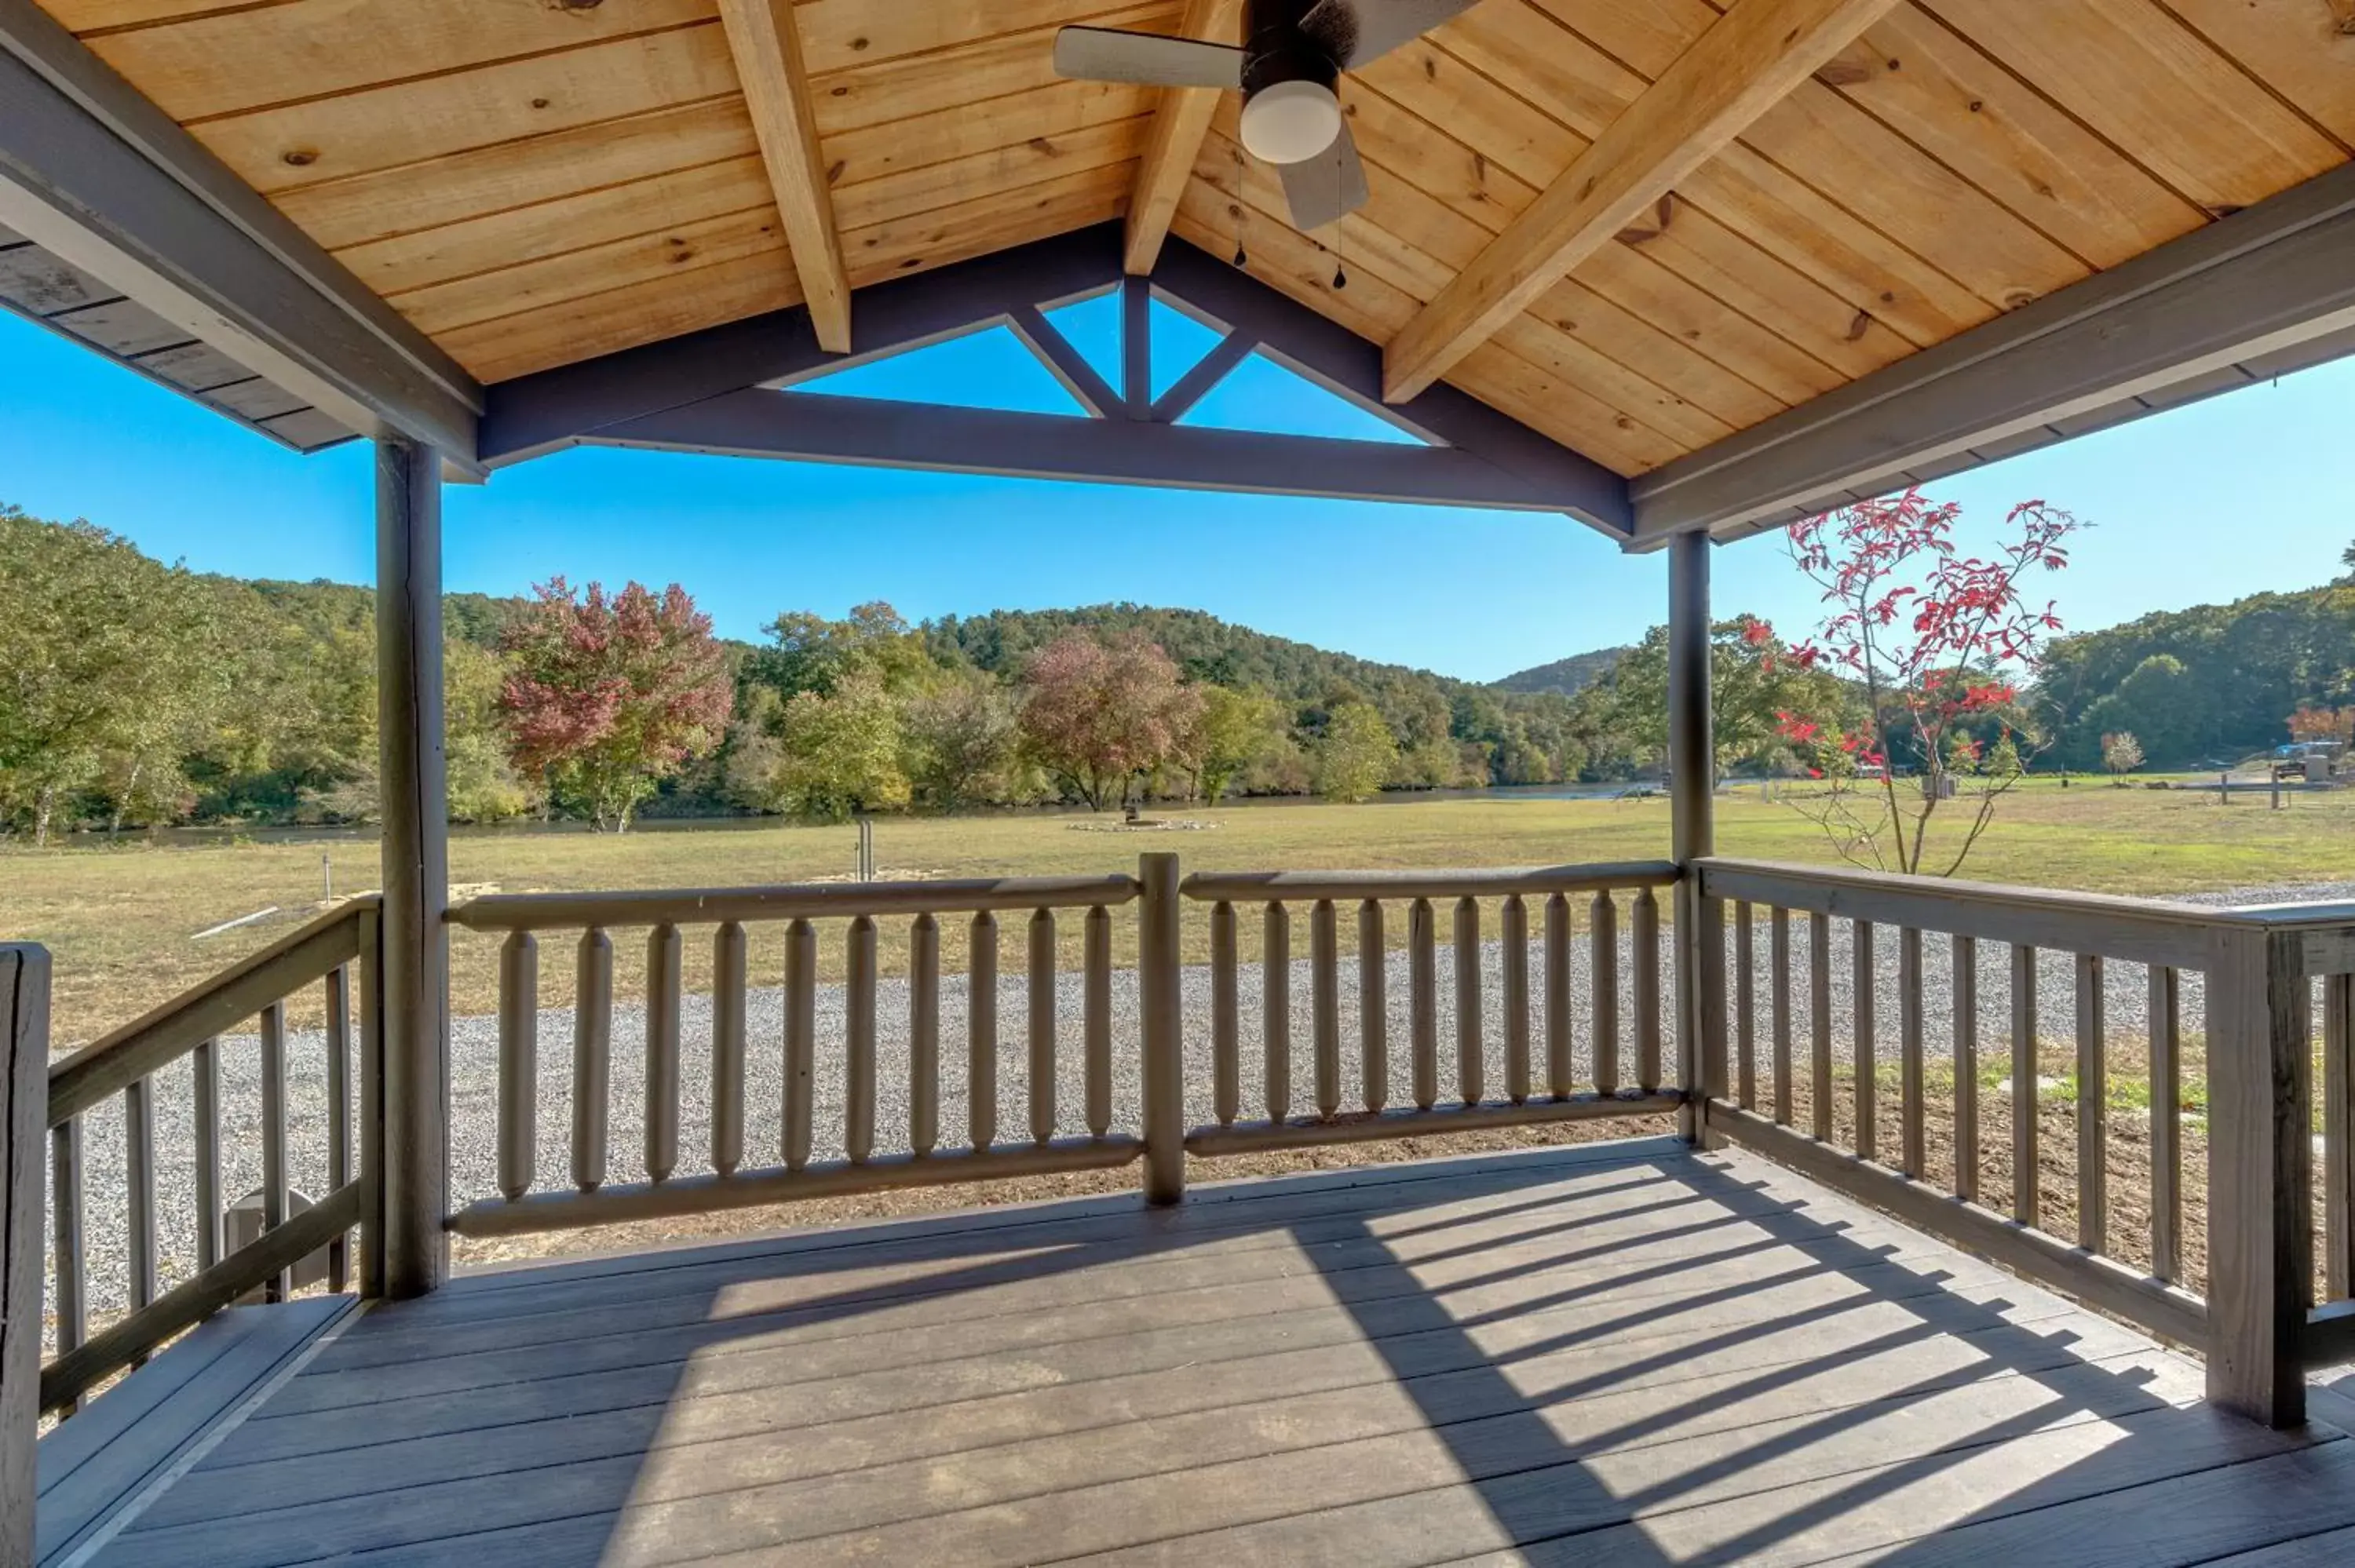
<point>1098,716</point>
<point>1356,753</point>
<point>962,736</point>
<point>607,696</point>
<point>1932,636</point>
<point>2121,753</point>
<point>110,669</point>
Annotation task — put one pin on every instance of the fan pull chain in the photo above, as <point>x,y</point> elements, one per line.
<point>1239,208</point>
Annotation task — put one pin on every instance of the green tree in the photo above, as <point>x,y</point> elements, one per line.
<point>608,696</point>
<point>963,736</point>
<point>808,652</point>
<point>1356,753</point>
<point>108,668</point>
<point>838,754</point>
<point>1235,729</point>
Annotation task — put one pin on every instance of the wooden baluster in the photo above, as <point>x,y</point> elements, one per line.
<point>519,1063</point>
<point>663,956</point>
<point>2167,1117</point>
<point>1041,998</point>
<point>1820,1024</point>
<point>139,1184</point>
<point>1864,971</point>
<point>1913,1143</point>
<point>338,1047</point>
<point>1514,932</point>
<point>1967,1069</point>
<point>2025,1176</point>
<point>203,1106</point>
<point>981,1033</point>
<point>728,966</point>
<point>2093,1106</point>
<point>1561,1074</point>
<point>1276,999</point>
<point>1422,1000</point>
<point>1469,1084</point>
<point>858,1041</point>
<point>1226,1018</point>
<point>1325,1005</point>
<point>1746,1009</point>
<point>2338,1129</point>
<point>1602,961</point>
<point>1778,957</point>
<point>71,1303</point>
<point>1644,933</point>
<point>1098,1021</point>
<point>1373,1006</point>
<point>924,1034</point>
<point>801,1043</point>
<point>273,1136</point>
<point>592,1057</point>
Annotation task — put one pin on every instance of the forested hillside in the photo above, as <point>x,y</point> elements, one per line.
<point>1567,677</point>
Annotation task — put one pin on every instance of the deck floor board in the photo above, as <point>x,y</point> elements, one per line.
<point>1620,1353</point>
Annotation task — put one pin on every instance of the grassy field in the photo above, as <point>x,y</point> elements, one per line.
<point>121,920</point>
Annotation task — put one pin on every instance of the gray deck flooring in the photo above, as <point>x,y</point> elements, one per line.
<point>1622,1353</point>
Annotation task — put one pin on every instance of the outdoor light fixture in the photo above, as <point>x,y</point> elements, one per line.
<point>1291,121</point>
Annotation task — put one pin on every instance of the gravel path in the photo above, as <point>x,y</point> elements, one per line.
<point>475,1052</point>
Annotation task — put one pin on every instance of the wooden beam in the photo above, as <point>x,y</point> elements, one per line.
<point>1179,124</point>
<point>1747,61</point>
<point>767,45</point>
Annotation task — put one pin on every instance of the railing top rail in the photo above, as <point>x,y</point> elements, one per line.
<point>124,1055</point>
<point>2147,930</point>
<point>684,906</point>
<point>1254,886</point>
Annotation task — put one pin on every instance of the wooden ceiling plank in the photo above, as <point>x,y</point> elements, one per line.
<point>1735,72</point>
<point>282,149</point>
<point>1043,113</point>
<point>1027,160</point>
<point>973,74</point>
<point>991,221</point>
<point>2304,51</point>
<point>1413,242</point>
<point>838,35</point>
<point>1699,322</point>
<point>1374,308</point>
<point>233,61</point>
<point>91,16</point>
<point>767,46</point>
<point>1179,121</point>
<point>1555,52</point>
<point>484,182</point>
<point>1913,75</point>
<point>2155,88</point>
<point>1762,286</point>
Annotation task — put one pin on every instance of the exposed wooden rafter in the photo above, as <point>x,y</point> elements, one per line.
<point>1747,61</point>
<point>764,37</point>
<point>1179,124</point>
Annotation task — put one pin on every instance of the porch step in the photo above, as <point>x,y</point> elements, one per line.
<point>95,1465</point>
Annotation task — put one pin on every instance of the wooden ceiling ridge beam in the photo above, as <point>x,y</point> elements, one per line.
<point>1179,122</point>
<point>1748,60</point>
<point>766,42</point>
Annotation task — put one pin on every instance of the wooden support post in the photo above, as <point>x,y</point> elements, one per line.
<point>24,1140</point>
<point>416,865</point>
<point>1692,787</point>
<point>1165,1029</point>
<point>2260,1174</point>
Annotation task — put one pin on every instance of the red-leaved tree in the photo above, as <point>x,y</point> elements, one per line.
<point>608,696</point>
<point>1938,642</point>
<point>1099,715</point>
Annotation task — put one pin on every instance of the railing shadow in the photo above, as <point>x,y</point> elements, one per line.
<point>1684,1368</point>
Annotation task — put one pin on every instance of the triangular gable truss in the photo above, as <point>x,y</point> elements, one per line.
<point>729,390</point>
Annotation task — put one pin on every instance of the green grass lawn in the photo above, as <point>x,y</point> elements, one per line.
<point>121,920</point>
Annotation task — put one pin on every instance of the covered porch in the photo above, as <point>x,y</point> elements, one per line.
<point>1778,1320</point>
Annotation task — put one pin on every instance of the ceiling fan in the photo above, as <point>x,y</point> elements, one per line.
<point>1292,55</point>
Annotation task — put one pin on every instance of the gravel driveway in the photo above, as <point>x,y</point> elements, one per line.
<point>474,1054</point>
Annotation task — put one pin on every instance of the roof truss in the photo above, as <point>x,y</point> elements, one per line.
<point>1747,61</point>
<point>767,46</point>
<point>1180,121</point>
<point>723,391</point>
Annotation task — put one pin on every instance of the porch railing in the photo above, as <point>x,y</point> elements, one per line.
<point>117,1079</point>
<point>2228,1059</point>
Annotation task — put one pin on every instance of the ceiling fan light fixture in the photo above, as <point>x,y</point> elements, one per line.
<point>1291,121</point>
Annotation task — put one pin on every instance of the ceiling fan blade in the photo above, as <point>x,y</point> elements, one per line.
<point>1327,187</point>
<point>1102,54</point>
<point>1358,31</point>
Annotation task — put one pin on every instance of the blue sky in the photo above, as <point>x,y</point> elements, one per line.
<point>2243,492</point>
